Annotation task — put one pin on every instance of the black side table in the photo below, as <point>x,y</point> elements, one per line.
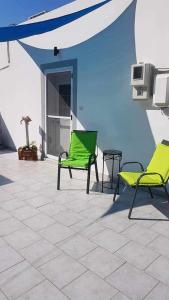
<point>111,155</point>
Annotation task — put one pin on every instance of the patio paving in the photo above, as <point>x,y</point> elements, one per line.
<point>57,245</point>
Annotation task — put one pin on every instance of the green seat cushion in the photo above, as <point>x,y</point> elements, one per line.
<point>76,163</point>
<point>83,144</point>
<point>131,178</point>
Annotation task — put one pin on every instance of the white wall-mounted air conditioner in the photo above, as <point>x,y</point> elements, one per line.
<point>161,90</point>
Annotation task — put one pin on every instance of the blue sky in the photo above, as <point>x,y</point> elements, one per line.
<point>15,11</point>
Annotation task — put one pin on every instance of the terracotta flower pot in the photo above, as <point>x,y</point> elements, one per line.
<point>25,153</point>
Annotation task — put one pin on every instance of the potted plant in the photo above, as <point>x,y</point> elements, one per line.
<point>29,151</point>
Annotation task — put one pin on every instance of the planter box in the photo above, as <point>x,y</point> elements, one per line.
<point>27,154</point>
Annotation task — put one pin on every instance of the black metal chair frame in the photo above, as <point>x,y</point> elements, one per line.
<point>138,185</point>
<point>92,160</point>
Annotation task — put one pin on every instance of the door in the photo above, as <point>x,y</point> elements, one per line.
<point>58,112</point>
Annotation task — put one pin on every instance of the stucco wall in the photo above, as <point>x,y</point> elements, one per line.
<point>152,45</point>
<point>20,87</point>
<point>104,98</point>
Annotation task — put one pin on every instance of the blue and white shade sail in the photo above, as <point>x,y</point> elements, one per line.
<point>18,32</point>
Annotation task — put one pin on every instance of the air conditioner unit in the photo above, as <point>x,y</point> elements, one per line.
<point>142,77</point>
<point>161,90</point>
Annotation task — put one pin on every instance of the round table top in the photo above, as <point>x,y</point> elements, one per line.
<point>112,152</point>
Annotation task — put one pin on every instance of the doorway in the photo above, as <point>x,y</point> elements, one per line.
<point>58,112</point>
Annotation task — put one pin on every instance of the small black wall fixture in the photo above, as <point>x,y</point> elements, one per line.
<point>56,51</point>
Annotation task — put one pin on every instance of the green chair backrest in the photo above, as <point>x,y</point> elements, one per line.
<point>160,161</point>
<point>83,144</point>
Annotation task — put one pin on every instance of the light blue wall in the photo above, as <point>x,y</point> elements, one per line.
<point>104,98</point>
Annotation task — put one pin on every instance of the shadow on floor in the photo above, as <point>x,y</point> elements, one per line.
<point>123,202</point>
<point>6,151</point>
<point>4,180</point>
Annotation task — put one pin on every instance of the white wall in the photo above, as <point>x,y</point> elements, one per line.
<point>103,85</point>
<point>20,95</point>
<point>152,45</point>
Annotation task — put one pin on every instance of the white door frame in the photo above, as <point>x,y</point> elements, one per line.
<point>58,70</point>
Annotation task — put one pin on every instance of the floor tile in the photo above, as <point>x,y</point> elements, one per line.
<point>89,286</point>
<point>22,238</point>
<point>67,217</point>
<point>110,240</point>
<point>132,282</point>
<point>140,234</point>
<point>36,187</point>
<point>10,225</point>
<point>5,196</point>
<point>2,243</point>
<point>51,209</point>
<point>8,258</point>
<point>2,296</point>
<point>39,201</point>
<point>137,255</point>
<point>162,228</point>
<point>120,296</point>
<point>4,215</point>
<point>115,222</point>
<point>82,225</point>
<point>159,269</point>
<point>92,230</point>
<point>56,233</point>
<point>36,251</point>
<point>16,187</point>
<point>161,292</point>
<point>47,257</point>
<point>24,212</point>
<point>19,279</point>
<point>101,262</point>
<point>12,204</point>
<point>62,270</point>
<point>103,200</point>
<point>93,213</point>
<point>160,245</point>
<point>39,222</point>
<point>25,195</point>
<point>49,191</point>
<point>77,246</point>
<point>79,205</point>
<point>43,291</point>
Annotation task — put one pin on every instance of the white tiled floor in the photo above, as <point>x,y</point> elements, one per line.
<point>58,245</point>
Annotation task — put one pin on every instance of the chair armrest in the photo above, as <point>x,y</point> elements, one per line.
<point>151,173</point>
<point>133,162</point>
<point>61,154</point>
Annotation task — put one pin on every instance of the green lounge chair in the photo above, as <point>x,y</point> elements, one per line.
<point>81,155</point>
<point>156,174</point>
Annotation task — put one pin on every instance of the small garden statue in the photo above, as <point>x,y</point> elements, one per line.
<point>29,151</point>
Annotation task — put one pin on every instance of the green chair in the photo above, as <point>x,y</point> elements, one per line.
<point>81,155</point>
<point>156,174</point>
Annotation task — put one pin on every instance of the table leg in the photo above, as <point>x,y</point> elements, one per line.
<point>112,173</point>
<point>119,171</point>
<point>103,174</point>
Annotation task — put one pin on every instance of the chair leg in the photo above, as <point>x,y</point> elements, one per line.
<point>70,172</point>
<point>96,170</point>
<point>116,189</point>
<point>132,204</point>
<point>58,182</point>
<point>166,191</point>
<point>88,180</point>
<point>150,191</point>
